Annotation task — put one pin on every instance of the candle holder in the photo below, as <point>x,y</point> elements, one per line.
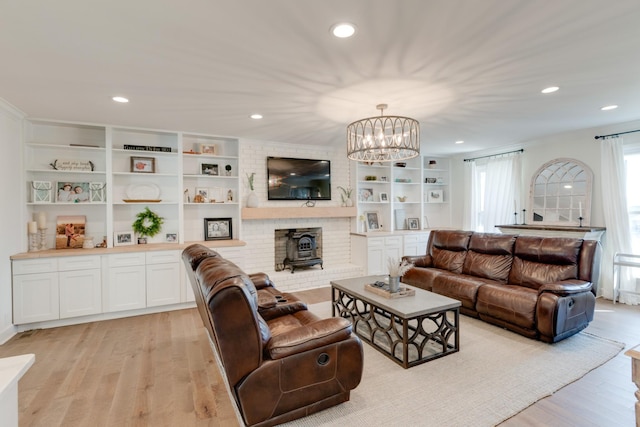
<point>580,218</point>
<point>515,218</point>
<point>33,242</point>
<point>523,216</point>
<point>42,232</point>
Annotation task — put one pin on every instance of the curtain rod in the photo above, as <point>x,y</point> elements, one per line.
<point>616,134</point>
<point>495,155</point>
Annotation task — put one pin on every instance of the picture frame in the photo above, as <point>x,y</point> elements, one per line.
<point>435,196</point>
<point>384,197</point>
<point>413,223</point>
<point>218,229</point>
<point>123,238</point>
<point>171,237</point>
<point>372,221</point>
<point>73,192</point>
<point>208,149</point>
<point>430,180</point>
<point>365,194</point>
<point>70,231</point>
<point>143,164</point>
<point>209,169</point>
<point>203,192</point>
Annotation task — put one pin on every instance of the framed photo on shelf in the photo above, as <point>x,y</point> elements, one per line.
<point>123,238</point>
<point>372,222</point>
<point>171,237</point>
<point>209,169</point>
<point>203,193</point>
<point>435,196</point>
<point>217,229</point>
<point>208,149</point>
<point>384,197</point>
<point>72,192</point>
<point>365,194</point>
<point>70,231</point>
<point>413,223</point>
<point>143,164</point>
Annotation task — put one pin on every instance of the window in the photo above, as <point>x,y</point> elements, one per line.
<point>632,166</point>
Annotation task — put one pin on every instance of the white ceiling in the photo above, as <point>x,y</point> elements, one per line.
<point>466,69</point>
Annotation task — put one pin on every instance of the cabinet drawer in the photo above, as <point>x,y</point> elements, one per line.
<point>40,265</point>
<point>126,259</point>
<point>78,263</point>
<point>393,241</point>
<point>163,257</point>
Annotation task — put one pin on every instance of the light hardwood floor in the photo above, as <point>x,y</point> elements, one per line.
<point>158,370</point>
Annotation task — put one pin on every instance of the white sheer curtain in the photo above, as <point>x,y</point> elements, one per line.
<point>501,191</point>
<point>472,192</point>
<point>616,217</point>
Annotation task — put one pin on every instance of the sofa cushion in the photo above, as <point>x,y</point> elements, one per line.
<point>449,249</point>
<point>489,256</point>
<point>511,304</point>
<point>461,287</point>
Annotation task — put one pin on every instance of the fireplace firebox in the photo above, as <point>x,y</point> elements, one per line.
<point>301,247</point>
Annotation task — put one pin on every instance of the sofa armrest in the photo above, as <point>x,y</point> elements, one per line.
<point>261,280</point>
<point>566,287</point>
<point>419,260</point>
<point>307,337</point>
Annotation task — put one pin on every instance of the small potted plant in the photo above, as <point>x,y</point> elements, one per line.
<point>252,198</point>
<point>346,196</point>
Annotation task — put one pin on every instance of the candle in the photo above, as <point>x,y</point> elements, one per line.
<point>32,226</point>
<point>515,209</point>
<point>580,208</point>
<point>42,220</point>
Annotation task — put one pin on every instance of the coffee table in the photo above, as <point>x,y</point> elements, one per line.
<point>409,330</point>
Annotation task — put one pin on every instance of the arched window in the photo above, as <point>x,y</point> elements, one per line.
<point>561,193</point>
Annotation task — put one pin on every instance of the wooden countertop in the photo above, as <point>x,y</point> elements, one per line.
<point>124,249</point>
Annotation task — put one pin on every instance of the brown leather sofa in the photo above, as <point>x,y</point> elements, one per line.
<point>539,287</point>
<point>280,361</point>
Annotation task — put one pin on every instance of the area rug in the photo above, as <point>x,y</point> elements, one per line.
<point>495,375</point>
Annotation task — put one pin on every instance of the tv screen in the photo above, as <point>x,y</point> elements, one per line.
<point>298,179</point>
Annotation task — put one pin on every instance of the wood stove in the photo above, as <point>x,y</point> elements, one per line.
<point>303,248</point>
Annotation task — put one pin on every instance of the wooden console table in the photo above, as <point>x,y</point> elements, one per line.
<point>634,354</point>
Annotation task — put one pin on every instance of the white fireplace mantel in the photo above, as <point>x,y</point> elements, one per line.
<point>298,212</point>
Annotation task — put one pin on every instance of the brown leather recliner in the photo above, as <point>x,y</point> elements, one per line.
<point>280,361</point>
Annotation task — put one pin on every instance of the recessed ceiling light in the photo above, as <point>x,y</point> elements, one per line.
<point>609,107</point>
<point>256,116</point>
<point>550,89</point>
<point>343,30</point>
<point>459,142</point>
<point>120,99</point>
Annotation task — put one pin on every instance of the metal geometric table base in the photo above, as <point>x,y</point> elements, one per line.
<point>406,341</point>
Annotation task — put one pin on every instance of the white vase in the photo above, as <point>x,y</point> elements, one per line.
<point>252,200</point>
<point>349,203</point>
<point>394,284</point>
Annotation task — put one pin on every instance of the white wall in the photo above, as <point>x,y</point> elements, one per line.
<point>14,233</point>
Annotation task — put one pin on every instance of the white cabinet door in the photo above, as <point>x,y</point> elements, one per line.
<point>125,288</point>
<point>163,284</point>
<point>35,297</point>
<point>376,259</point>
<point>80,293</point>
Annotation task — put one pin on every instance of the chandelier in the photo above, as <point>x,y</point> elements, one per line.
<point>383,139</point>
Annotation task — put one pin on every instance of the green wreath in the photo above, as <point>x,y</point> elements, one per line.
<point>148,223</point>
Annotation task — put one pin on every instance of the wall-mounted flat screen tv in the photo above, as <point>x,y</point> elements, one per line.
<point>298,179</point>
